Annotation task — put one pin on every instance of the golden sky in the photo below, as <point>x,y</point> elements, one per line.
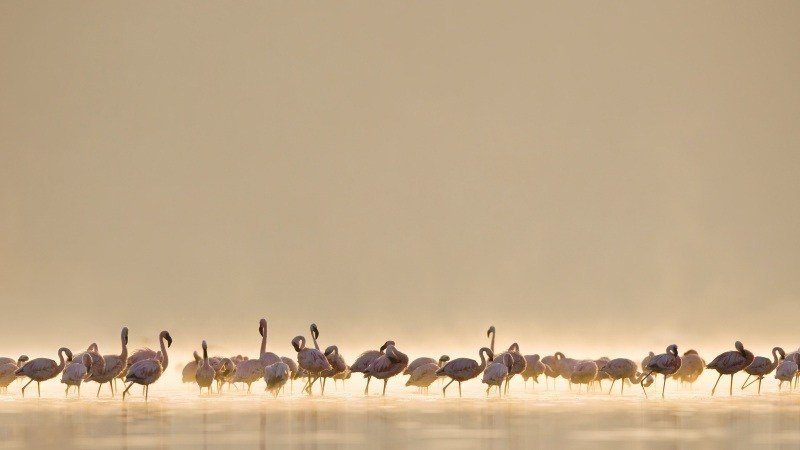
<point>572,172</point>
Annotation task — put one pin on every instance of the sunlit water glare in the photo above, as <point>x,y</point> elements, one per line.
<point>176,416</point>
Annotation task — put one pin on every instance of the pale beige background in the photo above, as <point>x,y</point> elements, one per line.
<point>580,174</point>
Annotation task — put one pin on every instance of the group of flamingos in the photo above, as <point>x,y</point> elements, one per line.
<point>145,366</point>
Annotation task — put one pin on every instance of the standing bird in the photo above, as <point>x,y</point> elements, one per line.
<point>18,361</point>
<point>787,369</point>
<point>188,372</point>
<point>665,364</point>
<point>423,376</point>
<point>224,368</point>
<point>294,371</point>
<point>646,360</point>
<point>762,366</point>
<point>533,368</point>
<point>391,363</point>
<point>338,365</point>
<point>43,369</point>
<point>463,369</point>
<point>418,362</point>
<point>76,372</point>
<point>365,359</point>
<point>252,370</point>
<point>205,374</point>
<point>276,376</point>
<point>8,372</point>
<point>517,359</point>
<point>497,372</point>
<point>565,366</point>
<point>622,369</point>
<point>148,371</point>
<point>585,372</point>
<point>112,365</point>
<point>729,363</point>
<point>311,360</point>
<point>692,366</point>
<point>550,370</point>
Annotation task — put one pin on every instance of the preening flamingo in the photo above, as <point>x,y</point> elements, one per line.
<point>391,363</point>
<point>204,374</point>
<point>517,359</point>
<point>497,372</point>
<point>787,369</point>
<point>730,362</point>
<point>424,375</point>
<point>276,376</point>
<point>463,369</point>
<point>189,370</point>
<point>338,365</point>
<point>252,370</point>
<point>533,368</point>
<point>43,369</point>
<point>361,363</point>
<point>148,371</point>
<point>584,372</point>
<point>76,372</point>
<point>550,370</point>
<point>665,364</point>
<point>692,366</point>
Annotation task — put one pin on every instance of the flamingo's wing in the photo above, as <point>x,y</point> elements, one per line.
<point>460,367</point>
<point>364,360</point>
<point>144,370</point>
<point>38,367</point>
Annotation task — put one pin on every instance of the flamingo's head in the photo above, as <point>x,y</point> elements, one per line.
<point>739,347</point>
<point>196,356</point>
<point>168,338</point>
<point>298,343</point>
<point>780,352</point>
<point>513,347</point>
<point>386,344</point>
<point>331,350</point>
<point>22,359</point>
<point>125,335</point>
<point>488,351</point>
<point>314,331</point>
<point>262,326</point>
<point>673,349</point>
<point>490,331</point>
<point>93,347</point>
<point>443,359</point>
<point>559,356</point>
<point>205,346</point>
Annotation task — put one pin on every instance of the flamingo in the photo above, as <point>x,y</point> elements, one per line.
<point>423,376</point>
<point>338,365</point>
<point>730,362</point>
<point>43,369</point>
<point>148,371</point>
<point>276,376</point>
<point>565,366</point>
<point>518,360</point>
<point>188,372</point>
<point>205,374</point>
<point>98,363</point>
<point>342,376</point>
<point>497,372</point>
<point>463,369</point>
<point>762,366</point>
<point>311,360</point>
<point>550,371</point>
<point>77,372</point>
<point>8,371</point>
<point>391,363</point>
<point>646,360</point>
<point>601,362</point>
<point>18,361</point>
<point>412,366</point>
<point>584,373</point>
<point>251,370</point>
<point>533,368</point>
<point>224,368</point>
<point>787,369</point>
<point>112,365</point>
<point>665,364</point>
<point>622,369</point>
<point>361,363</point>
<point>692,366</point>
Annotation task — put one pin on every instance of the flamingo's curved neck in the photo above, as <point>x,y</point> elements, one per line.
<point>61,359</point>
<point>314,338</point>
<point>483,359</point>
<point>165,359</point>
<point>263,341</point>
<point>123,356</point>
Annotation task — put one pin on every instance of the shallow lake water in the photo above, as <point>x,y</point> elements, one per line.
<point>176,416</point>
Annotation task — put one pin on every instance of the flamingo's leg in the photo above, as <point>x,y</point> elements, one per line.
<point>715,384</point>
<point>444,389</point>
